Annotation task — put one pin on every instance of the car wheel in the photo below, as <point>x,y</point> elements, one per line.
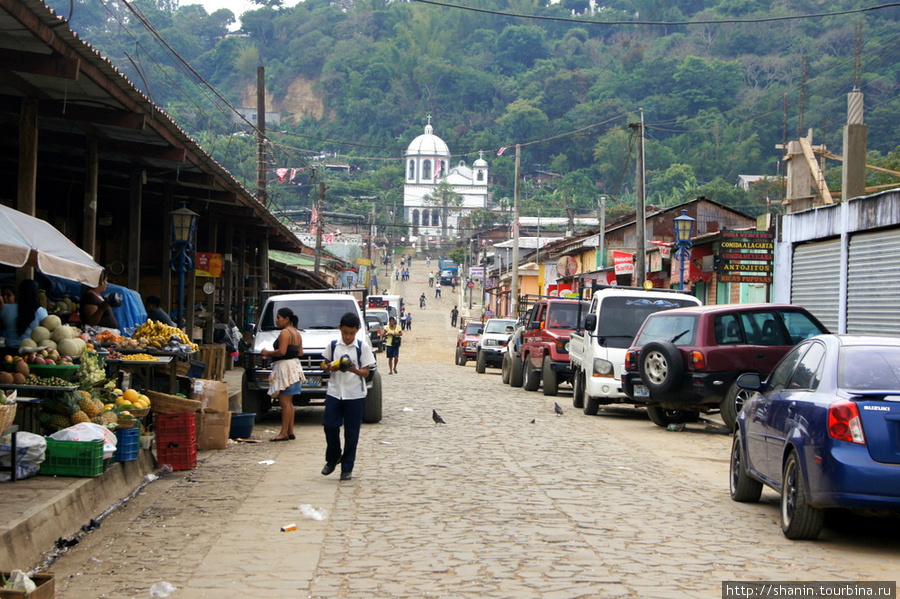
<point>733,403</point>
<point>515,371</point>
<point>461,358</point>
<point>373,402</point>
<point>549,377</point>
<point>799,520</point>
<point>254,401</point>
<point>742,487</point>
<point>504,369</point>
<point>480,363</point>
<point>531,381</point>
<point>578,390</point>
<point>661,366</point>
<point>664,417</point>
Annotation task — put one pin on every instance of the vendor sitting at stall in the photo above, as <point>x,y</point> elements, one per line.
<point>154,312</point>
<point>20,317</point>
<point>95,310</point>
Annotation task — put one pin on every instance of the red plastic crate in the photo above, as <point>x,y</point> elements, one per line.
<point>179,427</point>
<point>183,457</point>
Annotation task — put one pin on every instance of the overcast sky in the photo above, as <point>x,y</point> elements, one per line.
<point>238,7</point>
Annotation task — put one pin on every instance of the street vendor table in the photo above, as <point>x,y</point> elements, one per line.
<point>144,369</point>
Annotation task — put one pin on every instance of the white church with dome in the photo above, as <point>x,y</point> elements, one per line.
<point>427,164</point>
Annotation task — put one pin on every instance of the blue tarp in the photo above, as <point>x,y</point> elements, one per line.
<point>131,314</point>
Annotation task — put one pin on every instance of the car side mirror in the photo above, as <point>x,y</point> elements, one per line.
<point>750,381</point>
<point>590,323</point>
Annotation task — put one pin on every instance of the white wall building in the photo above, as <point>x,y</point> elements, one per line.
<point>427,164</point>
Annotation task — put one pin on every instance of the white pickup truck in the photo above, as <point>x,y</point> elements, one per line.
<point>319,313</point>
<point>597,353</point>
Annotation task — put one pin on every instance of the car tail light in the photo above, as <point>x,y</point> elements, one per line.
<point>630,361</point>
<point>844,423</point>
<point>698,361</point>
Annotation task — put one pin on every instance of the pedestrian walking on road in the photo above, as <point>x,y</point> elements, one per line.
<point>454,314</point>
<point>431,279</point>
<point>437,289</point>
<point>408,326</point>
<point>287,373</point>
<point>345,396</point>
<point>392,344</point>
<point>422,302</point>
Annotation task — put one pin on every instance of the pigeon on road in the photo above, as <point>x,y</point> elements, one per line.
<point>437,417</point>
<point>557,409</point>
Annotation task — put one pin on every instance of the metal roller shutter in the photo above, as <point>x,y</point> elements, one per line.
<point>872,283</point>
<point>815,280</point>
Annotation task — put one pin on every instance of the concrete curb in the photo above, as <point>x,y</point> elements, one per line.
<point>35,512</point>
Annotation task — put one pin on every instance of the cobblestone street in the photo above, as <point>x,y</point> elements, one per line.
<point>489,505</point>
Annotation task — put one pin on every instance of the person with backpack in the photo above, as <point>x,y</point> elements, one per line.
<point>345,396</point>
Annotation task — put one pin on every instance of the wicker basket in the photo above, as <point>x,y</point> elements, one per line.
<point>7,415</point>
<point>139,412</point>
<point>127,423</point>
<point>163,403</point>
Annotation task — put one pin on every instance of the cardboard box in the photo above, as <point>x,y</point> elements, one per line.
<point>213,429</point>
<point>46,588</point>
<point>212,395</point>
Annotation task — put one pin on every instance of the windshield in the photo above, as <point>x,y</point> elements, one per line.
<point>620,318</point>
<point>499,326</point>
<point>679,329</point>
<point>381,315</point>
<point>565,316</point>
<point>312,314</point>
<point>869,368</point>
<point>474,328</point>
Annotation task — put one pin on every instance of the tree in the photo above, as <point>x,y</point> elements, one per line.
<point>446,199</point>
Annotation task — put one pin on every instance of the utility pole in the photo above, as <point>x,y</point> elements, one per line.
<point>640,211</point>
<point>320,201</point>
<point>261,136</point>
<point>601,251</point>
<point>514,287</point>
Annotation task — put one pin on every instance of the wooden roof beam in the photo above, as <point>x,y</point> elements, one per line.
<point>48,65</point>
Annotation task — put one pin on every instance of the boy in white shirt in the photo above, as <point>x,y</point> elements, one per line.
<point>345,395</point>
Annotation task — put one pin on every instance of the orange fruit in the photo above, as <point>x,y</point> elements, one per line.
<point>131,395</point>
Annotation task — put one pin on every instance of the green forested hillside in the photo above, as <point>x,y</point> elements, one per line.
<point>719,83</point>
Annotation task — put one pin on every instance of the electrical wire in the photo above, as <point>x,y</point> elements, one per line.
<point>661,23</point>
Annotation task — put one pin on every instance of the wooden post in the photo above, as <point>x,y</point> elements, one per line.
<point>91,183</point>
<point>134,228</point>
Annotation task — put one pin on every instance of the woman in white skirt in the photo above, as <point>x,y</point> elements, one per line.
<point>287,374</point>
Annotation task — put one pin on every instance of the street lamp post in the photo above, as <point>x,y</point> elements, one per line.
<point>184,229</point>
<point>684,230</point>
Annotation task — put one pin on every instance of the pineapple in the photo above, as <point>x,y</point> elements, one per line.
<point>99,420</point>
<point>88,406</point>
<point>57,422</point>
<point>79,417</point>
<point>109,416</point>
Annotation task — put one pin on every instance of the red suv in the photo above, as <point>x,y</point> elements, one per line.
<point>545,341</point>
<point>467,342</point>
<point>685,361</point>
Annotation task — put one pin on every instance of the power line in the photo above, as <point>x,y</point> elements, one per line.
<point>661,23</point>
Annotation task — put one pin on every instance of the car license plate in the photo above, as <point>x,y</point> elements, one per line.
<point>313,381</point>
<point>641,391</point>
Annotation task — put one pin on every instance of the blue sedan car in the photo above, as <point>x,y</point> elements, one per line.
<point>823,430</point>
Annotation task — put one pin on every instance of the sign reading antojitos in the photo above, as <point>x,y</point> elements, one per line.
<point>746,252</point>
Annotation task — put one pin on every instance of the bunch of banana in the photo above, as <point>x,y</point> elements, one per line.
<point>159,334</point>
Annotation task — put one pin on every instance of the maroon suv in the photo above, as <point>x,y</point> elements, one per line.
<point>685,361</point>
<point>545,340</point>
<point>467,342</point>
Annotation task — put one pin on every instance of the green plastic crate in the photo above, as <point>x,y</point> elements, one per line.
<point>73,458</point>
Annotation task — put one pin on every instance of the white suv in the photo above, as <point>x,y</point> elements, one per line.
<point>493,340</point>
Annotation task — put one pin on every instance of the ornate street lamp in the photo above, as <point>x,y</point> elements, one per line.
<point>184,230</point>
<point>684,230</point>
